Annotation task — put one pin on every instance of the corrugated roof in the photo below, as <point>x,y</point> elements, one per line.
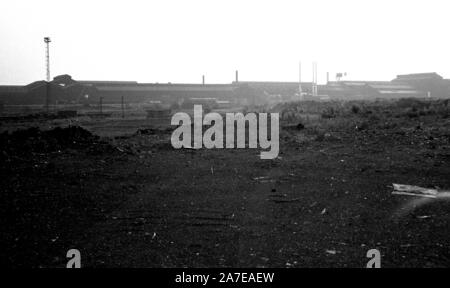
<point>167,87</point>
<point>36,84</point>
<point>419,76</point>
<point>391,86</point>
<point>270,83</point>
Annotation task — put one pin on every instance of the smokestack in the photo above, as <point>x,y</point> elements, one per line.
<point>328,77</point>
<point>203,79</point>
<point>314,80</point>
<point>299,72</point>
<point>237,76</point>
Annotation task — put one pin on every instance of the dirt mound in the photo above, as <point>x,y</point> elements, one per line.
<point>58,139</point>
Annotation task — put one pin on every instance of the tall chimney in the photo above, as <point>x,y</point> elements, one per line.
<point>328,77</point>
<point>237,76</point>
<point>203,79</point>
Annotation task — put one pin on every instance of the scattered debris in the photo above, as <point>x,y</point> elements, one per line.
<point>423,217</point>
<point>298,127</point>
<point>407,245</point>
<point>146,131</point>
<point>410,190</point>
<point>153,131</point>
<point>190,148</point>
<point>263,179</point>
<point>285,200</point>
<point>278,195</point>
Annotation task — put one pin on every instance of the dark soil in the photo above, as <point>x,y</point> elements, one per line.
<point>134,201</point>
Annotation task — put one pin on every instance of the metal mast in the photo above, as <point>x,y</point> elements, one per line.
<point>47,63</point>
<point>47,56</point>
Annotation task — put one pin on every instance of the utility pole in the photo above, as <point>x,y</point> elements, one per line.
<point>314,81</point>
<point>300,80</point>
<point>47,66</point>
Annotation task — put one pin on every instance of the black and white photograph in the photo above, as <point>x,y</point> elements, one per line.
<point>210,134</point>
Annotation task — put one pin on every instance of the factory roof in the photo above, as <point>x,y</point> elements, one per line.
<point>166,87</point>
<point>106,83</point>
<point>419,76</point>
<point>4,89</point>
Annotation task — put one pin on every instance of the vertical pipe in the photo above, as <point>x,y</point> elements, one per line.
<point>299,72</point>
<point>314,80</point>
<point>237,76</point>
<point>203,79</point>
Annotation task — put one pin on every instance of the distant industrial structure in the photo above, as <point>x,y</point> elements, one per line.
<point>65,90</point>
<point>47,70</point>
<point>47,57</point>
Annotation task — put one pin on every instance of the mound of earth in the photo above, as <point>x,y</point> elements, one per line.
<point>35,140</point>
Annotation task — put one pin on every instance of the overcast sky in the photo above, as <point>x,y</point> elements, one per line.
<point>179,41</point>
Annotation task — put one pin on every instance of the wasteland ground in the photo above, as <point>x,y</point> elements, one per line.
<point>117,191</point>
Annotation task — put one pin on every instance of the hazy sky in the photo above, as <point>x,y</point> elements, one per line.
<point>179,41</point>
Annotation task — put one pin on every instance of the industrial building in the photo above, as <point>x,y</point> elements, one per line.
<point>65,90</point>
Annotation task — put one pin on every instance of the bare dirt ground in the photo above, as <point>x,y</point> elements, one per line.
<point>131,200</point>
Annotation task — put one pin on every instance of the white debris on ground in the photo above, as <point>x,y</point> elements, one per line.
<point>410,190</point>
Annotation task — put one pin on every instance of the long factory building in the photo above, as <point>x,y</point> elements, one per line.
<point>65,90</point>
